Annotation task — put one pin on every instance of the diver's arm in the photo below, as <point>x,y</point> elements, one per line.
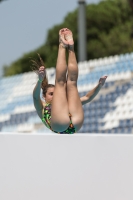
<point>37,100</point>
<point>91,94</point>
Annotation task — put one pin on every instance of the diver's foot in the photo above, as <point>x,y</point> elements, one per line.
<point>69,39</point>
<point>63,42</point>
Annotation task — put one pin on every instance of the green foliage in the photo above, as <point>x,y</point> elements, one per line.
<point>23,64</point>
<point>109,26</point>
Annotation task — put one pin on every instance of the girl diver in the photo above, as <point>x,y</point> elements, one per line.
<point>62,111</point>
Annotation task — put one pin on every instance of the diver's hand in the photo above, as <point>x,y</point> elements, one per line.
<point>41,73</point>
<point>102,80</point>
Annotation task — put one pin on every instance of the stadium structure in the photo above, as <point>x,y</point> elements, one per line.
<point>111,111</point>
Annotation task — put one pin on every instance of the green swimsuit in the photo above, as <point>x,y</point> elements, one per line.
<point>46,120</point>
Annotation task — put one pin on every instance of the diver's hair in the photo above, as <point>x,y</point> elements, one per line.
<point>36,65</point>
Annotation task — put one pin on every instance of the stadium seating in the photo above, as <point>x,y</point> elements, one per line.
<point>110,112</point>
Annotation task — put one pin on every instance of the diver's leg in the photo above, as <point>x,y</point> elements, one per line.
<point>59,112</point>
<point>74,102</point>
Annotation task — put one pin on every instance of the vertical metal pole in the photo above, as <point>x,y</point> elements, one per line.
<point>82,54</point>
<point>131,5</point>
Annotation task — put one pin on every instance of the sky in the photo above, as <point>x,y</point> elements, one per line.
<point>24,24</point>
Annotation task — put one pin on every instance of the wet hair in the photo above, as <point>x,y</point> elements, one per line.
<point>36,65</point>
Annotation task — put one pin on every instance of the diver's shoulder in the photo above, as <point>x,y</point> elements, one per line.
<point>45,104</point>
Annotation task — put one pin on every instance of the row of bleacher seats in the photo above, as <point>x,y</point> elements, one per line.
<point>96,74</point>
<point>110,112</point>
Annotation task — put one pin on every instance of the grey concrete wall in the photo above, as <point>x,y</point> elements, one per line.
<point>66,167</point>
